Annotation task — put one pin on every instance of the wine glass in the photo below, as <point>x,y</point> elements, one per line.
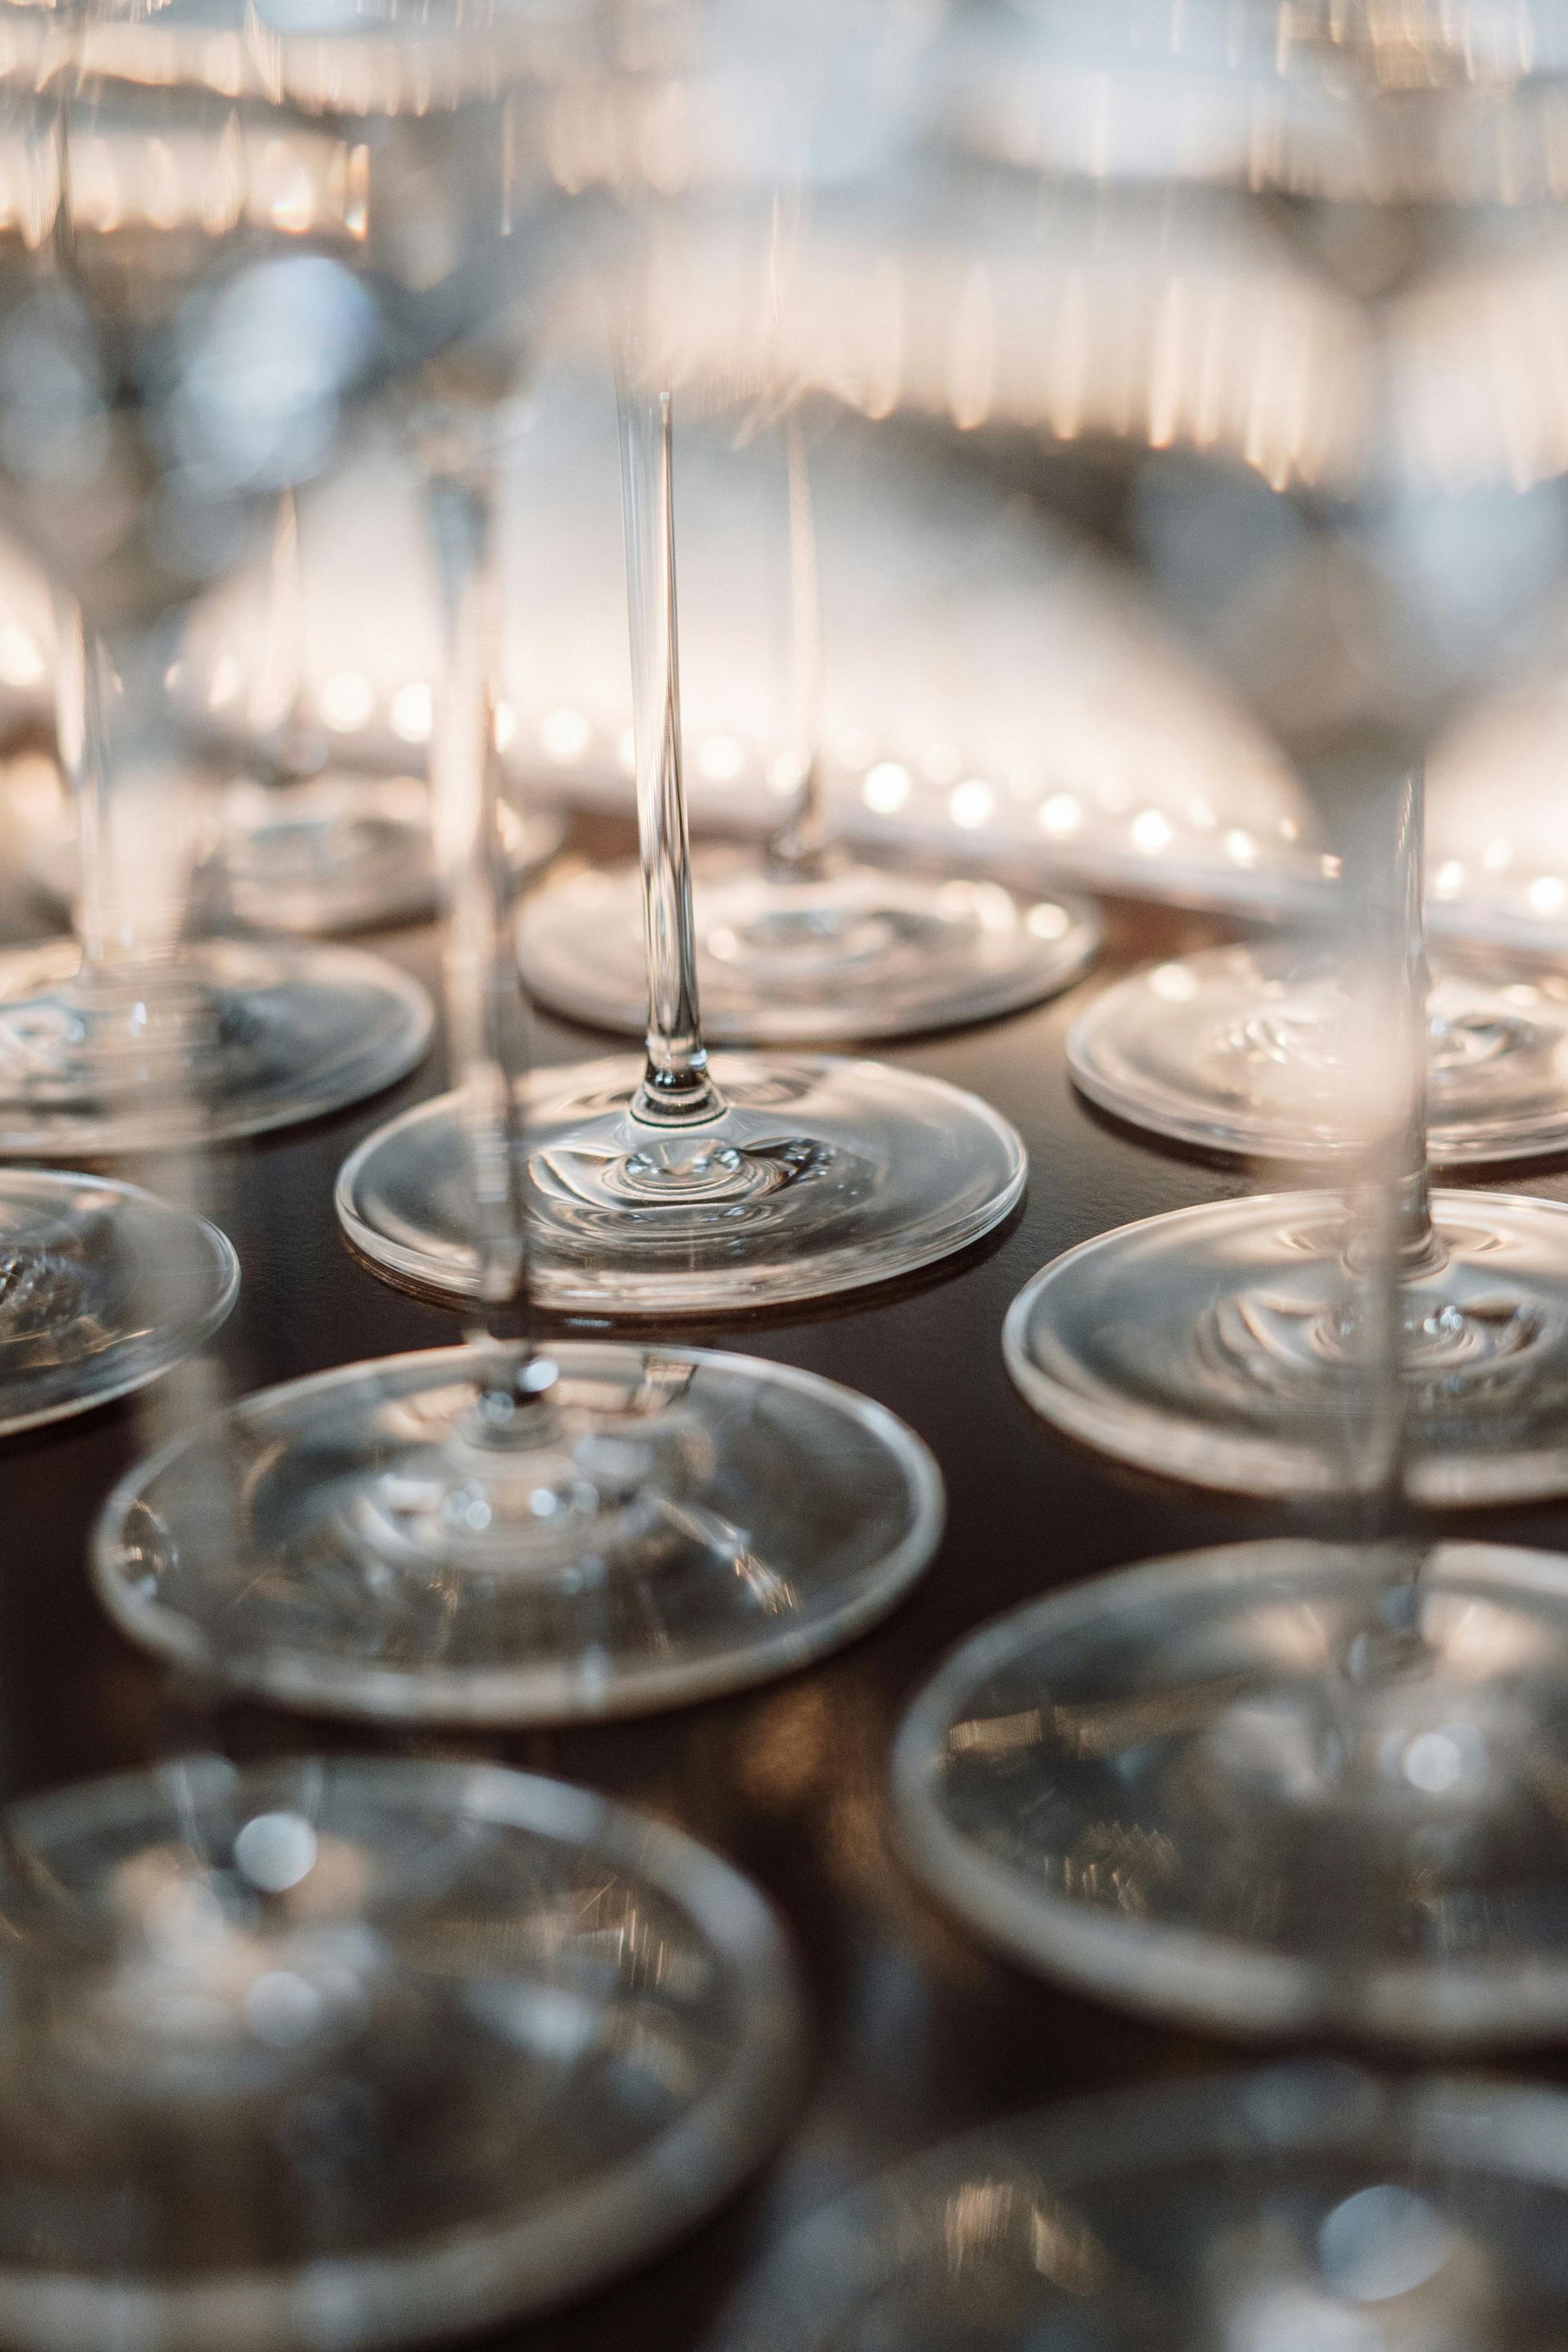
<point>348,2053</point>
<point>1208,1344</point>
<point>675,1186</point>
<point>509,1530</point>
<point>1241,1050</point>
<point>310,828</point>
<point>1308,2204</point>
<point>805,939</point>
<point>158,251</point>
<point>311,843</point>
<point>1289,1784</point>
<point>102,1288</point>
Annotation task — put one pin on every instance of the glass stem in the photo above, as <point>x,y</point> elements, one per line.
<point>84,677</point>
<point>1418,1247</point>
<point>676,1087</point>
<point>80,690</point>
<point>278,709</point>
<point>485,1013</point>
<point>1394,1241</point>
<point>801,843</point>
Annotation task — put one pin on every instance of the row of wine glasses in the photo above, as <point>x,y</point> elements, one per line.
<point>496,2019</point>
<point>356,2050</point>
<point>1294,1785</point>
<point>1307,1784</point>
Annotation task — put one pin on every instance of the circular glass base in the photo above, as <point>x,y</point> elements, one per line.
<point>101,1289</point>
<point>1302,2209</point>
<point>349,853</point>
<point>1276,1787</point>
<point>675,1523</point>
<point>331,852</point>
<point>855,951</point>
<point>350,2054</point>
<point>230,1038</point>
<point>1222,1345</point>
<point>819,1176</point>
<point>1250,1049</point>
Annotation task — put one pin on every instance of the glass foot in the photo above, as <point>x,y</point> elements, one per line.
<point>1276,1787</point>
<point>102,1288</point>
<point>1250,1049</point>
<point>230,1039</point>
<point>353,2053</point>
<point>856,952</point>
<point>332,853</point>
<point>1300,2208</point>
<point>676,1523</point>
<point>821,1175</point>
<point>1221,1345</point>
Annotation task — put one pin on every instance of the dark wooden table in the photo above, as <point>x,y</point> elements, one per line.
<point>918,2032</point>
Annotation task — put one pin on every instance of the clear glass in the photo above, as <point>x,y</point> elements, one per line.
<point>1246,1050</point>
<point>1309,461</point>
<point>356,2052</point>
<point>1308,2205</point>
<point>1275,1788</point>
<point>681,1186</point>
<point>1307,1787</point>
<point>802,940</point>
<point>338,851</point>
<point>305,846</point>
<point>508,1532</point>
<point>149,235</point>
<point>102,1288</point>
<point>675,1523</point>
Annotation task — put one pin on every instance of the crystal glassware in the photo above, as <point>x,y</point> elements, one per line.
<point>1219,1345</point>
<point>1301,2205</point>
<point>676,1185</point>
<point>511,1531</point>
<point>152,252</point>
<point>102,1288</point>
<point>1287,1786</point>
<point>804,938</point>
<point>351,2053</point>
<point>1247,1049</point>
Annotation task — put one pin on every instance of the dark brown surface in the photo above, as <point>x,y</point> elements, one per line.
<point>918,2032</point>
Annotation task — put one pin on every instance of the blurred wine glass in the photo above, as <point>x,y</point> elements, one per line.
<point>515,1530</point>
<point>1282,1783</point>
<point>680,1185</point>
<point>171,236</point>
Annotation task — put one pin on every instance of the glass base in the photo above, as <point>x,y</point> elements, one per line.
<point>1280,1787</point>
<point>1249,1050</point>
<point>821,1175</point>
<point>331,852</point>
<point>1299,2209</point>
<point>1219,1345</point>
<point>230,1038</point>
<point>676,1523</point>
<point>354,2053</point>
<point>102,1288</point>
<point>855,951</point>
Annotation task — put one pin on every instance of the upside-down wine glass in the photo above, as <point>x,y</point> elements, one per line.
<point>677,1184</point>
<point>513,1530</point>
<point>804,939</point>
<point>156,277</point>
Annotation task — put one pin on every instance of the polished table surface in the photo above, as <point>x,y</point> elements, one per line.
<point>918,2032</point>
